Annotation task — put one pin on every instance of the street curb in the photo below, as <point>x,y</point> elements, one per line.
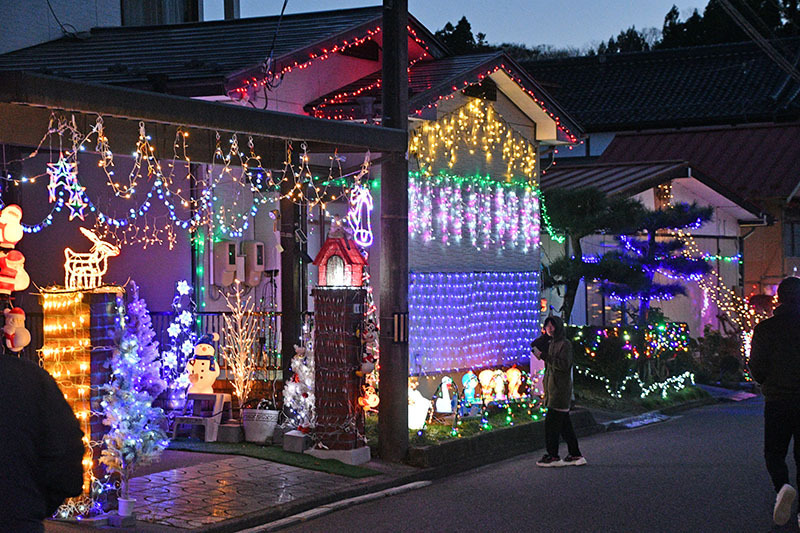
<point>654,417</point>
<point>335,506</point>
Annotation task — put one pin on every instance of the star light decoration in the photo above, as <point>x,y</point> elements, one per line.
<point>64,173</point>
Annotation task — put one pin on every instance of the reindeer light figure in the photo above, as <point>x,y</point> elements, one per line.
<point>85,270</point>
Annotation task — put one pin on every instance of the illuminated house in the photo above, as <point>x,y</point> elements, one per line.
<point>476,124</point>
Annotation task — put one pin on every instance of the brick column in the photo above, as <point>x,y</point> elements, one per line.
<point>338,318</point>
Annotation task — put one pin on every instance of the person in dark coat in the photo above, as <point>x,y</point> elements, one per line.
<point>41,447</point>
<point>775,365</point>
<point>557,357</point>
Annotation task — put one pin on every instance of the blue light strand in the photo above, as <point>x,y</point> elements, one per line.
<point>471,319</point>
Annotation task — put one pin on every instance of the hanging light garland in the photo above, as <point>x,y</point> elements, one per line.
<point>474,128</point>
<point>487,213</point>
<point>224,216</point>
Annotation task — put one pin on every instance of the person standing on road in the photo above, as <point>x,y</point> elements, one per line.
<point>41,447</point>
<point>775,365</point>
<point>557,357</point>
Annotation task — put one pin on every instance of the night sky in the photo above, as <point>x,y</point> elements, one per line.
<point>575,23</point>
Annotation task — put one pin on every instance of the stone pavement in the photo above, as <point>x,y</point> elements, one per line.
<point>231,493</point>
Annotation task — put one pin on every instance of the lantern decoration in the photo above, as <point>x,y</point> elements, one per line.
<point>418,407</point>
<point>369,399</point>
<point>514,378</point>
<point>10,226</point>
<point>340,263</point>
<point>84,271</point>
<point>444,403</point>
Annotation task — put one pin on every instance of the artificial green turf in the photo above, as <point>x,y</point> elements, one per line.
<point>274,453</point>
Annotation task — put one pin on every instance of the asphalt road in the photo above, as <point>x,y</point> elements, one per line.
<point>699,472</point>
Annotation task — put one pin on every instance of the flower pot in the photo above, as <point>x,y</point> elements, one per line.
<point>259,424</point>
<point>126,506</point>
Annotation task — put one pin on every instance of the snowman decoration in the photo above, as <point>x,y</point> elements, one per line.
<point>202,367</point>
<point>16,335</point>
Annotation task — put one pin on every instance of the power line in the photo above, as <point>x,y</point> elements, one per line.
<point>759,39</point>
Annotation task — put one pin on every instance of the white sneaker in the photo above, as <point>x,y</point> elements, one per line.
<point>783,504</point>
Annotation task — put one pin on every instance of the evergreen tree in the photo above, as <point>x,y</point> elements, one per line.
<point>135,436</point>
<point>460,40</point>
<point>578,213</point>
<point>655,251</point>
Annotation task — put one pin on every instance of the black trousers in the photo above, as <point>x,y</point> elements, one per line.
<point>558,424</point>
<point>781,423</point>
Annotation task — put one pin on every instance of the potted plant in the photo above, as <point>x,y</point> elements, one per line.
<point>259,422</point>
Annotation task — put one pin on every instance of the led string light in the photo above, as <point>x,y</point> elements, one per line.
<point>475,127</point>
<point>320,111</point>
<point>66,355</point>
<point>475,319</point>
<point>248,85</point>
<point>728,303</point>
<point>675,383</point>
<point>520,83</point>
<point>133,226</point>
<point>447,209</point>
<point>253,83</point>
<point>658,341</point>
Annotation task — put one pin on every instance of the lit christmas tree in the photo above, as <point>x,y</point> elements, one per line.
<point>136,436</point>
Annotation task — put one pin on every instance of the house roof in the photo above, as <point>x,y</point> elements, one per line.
<point>430,81</point>
<point>343,247</point>
<point>702,85</point>
<point>422,77</point>
<point>613,178</point>
<point>632,178</point>
<point>205,53</point>
<point>754,162</point>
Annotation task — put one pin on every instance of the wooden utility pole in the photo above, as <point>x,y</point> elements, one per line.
<point>393,414</point>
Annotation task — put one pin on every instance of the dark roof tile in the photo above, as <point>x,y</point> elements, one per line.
<point>718,84</point>
<point>128,55</point>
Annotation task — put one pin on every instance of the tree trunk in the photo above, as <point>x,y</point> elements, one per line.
<point>644,301</point>
<point>571,287</point>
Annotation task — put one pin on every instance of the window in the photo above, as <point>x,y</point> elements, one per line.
<point>791,238</point>
<point>335,271</point>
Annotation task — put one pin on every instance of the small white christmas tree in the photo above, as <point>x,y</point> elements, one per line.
<point>298,392</point>
<point>136,436</point>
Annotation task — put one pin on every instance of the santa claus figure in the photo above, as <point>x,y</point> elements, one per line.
<point>10,226</point>
<point>12,273</point>
<point>16,335</point>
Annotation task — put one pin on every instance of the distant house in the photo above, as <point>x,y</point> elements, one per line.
<point>719,123</point>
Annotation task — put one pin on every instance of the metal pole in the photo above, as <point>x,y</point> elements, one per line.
<point>393,414</point>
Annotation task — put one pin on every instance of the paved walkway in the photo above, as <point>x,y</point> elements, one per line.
<point>210,493</point>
